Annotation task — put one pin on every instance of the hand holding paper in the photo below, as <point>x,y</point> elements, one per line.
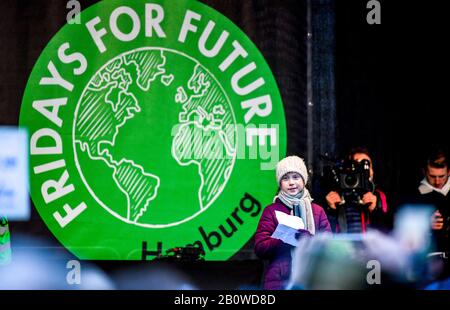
<point>287,229</point>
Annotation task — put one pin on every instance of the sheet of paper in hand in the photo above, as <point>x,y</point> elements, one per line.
<point>288,226</point>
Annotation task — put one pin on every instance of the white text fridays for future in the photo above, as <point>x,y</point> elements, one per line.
<point>261,106</point>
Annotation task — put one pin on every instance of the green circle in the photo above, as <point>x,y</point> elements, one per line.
<point>178,119</point>
<point>154,131</point>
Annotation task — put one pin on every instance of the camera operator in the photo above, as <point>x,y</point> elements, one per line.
<point>356,211</point>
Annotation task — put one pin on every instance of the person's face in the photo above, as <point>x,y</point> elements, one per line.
<point>437,177</point>
<point>359,157</point>
<point>292,183</point>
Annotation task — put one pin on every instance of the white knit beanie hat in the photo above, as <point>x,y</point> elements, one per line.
<point>292,164</point>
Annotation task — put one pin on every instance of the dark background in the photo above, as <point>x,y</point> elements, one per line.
<point>392,88</point>
<point>382,86</point>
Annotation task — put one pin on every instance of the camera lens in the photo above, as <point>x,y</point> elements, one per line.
<point>351,181</point>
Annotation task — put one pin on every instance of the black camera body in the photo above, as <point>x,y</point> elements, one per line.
<point>349,178</point>
<point>187,253</point>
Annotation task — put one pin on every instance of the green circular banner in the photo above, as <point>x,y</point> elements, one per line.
<point>153,125</point>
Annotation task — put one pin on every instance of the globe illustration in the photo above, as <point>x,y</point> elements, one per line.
<point>154,137</point>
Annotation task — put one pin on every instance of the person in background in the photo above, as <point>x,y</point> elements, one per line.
<point>293,198</point>
<point>370,212</point>
<point>434,190</point>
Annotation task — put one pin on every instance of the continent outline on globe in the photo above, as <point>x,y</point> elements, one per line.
<point>126,106</point>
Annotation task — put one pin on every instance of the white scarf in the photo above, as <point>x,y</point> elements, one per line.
<point>300,205</point>
<point>425,187</point>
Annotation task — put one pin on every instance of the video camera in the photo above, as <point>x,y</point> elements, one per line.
<point>187,253</point>
<point>351,179</point>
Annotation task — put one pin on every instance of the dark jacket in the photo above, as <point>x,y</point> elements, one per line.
<point>377,219</point>
<point>277,252</point>
<point>438,202</point>
<point>441,203</point>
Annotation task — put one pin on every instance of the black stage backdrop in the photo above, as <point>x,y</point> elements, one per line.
<point>391,87</point>
<point>383,86</point>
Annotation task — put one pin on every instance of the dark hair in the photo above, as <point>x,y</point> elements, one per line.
<point>437,159</point>
<point>357,150</point>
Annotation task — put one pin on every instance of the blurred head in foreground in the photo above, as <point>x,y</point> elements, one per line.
<point>40,265</point>
<point>348,262</point>
<point>365,261</point>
